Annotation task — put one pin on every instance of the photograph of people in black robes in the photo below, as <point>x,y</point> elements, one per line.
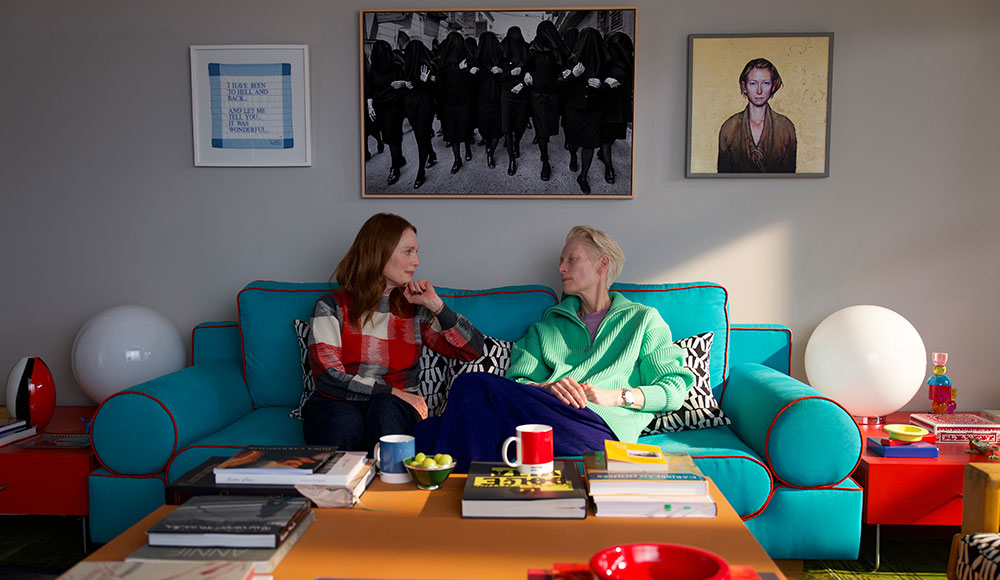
<point>498,103</point>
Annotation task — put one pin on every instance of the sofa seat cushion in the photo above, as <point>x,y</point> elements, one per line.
<point>267,426</point>
<point>739,473</point>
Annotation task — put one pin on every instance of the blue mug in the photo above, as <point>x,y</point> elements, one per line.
<point>390,451</point>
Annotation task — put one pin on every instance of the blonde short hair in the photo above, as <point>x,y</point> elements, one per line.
<point>602,245</point>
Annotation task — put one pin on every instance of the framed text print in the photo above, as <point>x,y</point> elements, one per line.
<point>759,105</point>
<point>500,103</point>
<point>250,105</point>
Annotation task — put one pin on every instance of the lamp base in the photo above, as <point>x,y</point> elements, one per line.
<point>869,420</point>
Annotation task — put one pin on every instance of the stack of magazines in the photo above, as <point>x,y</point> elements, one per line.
<point>12,430</point>
<point>637,480</point>
<point>256,530</point>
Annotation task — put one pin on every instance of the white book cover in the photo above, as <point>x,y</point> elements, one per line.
<point>338,471</point>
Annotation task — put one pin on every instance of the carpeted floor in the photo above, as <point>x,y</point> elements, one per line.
<point>42,547</point>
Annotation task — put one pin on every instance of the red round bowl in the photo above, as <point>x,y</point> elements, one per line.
<point>657,562</point>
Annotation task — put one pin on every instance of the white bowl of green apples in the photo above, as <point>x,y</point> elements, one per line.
<point>429,471</point>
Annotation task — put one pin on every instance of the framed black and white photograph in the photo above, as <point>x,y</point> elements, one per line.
<point>250,105</point>
<point>759,105</point>
<point>498,103</point>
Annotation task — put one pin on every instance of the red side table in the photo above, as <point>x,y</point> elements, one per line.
<point>908,490</point>
<point>49,481</point>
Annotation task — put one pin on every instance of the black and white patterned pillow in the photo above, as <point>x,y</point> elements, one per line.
<point>700,410</point>
<point>433,375</point>
<point>495,359</point>
<point>308,381</point>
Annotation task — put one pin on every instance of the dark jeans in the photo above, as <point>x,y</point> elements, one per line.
<point>356,425</point>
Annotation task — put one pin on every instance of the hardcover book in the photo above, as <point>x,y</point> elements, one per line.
<point>339,469</point>
<point>264,560</point>
<point>495,490</point>
<point>56,441</point>
<point>230,522</point>
<point>11,424</point>
<point>259,459</point>
<point>655,506</point>
<point>17,435</point>
<point>957,427</point>
<point>87,570</point>
<point>682,478</point>
<point>916,449</point>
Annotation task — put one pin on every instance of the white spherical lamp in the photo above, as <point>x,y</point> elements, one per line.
<point>123,346</point>
<point>868,358</point>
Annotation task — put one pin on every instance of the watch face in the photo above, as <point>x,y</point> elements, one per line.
<point>628,397</point>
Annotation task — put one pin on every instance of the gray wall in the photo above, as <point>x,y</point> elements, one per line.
<point>101,204</point>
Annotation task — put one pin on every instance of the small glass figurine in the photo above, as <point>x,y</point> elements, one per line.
<point>940,391</point>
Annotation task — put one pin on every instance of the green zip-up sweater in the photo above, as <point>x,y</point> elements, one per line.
<point>632,349</point>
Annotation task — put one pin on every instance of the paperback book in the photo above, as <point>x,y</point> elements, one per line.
<point>682,478</point>
<point>8,424</point>
<point>339,469</point>
<point>264,560</point>
<point>88,570</point>
<point>495,490</point>
<point>641,505</point>
<point>622,456</point>
<point>277,460</point>
<point>17,435</point>
<point>230,522</point>
<point>957,427</point>
<point>915,449</point>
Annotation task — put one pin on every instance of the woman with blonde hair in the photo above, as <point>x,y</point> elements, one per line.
<point>365,340</point>
<point>597,366</point>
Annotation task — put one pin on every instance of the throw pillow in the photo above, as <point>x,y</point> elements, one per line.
<point>495,359</point>
<point>700,410</point>
<point>433,375</point>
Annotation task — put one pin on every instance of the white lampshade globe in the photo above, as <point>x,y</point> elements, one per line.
<point>868,358</point>
<point>123,346</point>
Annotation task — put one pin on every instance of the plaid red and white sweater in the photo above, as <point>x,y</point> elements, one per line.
<point>384,354</point>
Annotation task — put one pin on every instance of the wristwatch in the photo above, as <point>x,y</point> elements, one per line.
<point>628,397</point>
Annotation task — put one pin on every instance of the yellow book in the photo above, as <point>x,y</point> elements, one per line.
<point>623,456</point>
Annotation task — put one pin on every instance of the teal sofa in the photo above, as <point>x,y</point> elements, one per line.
<point>783,462</point>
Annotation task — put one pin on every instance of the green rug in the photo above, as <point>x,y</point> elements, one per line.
<point>902,558</point>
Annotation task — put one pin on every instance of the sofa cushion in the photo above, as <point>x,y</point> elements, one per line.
<point>736,469</point>
<point>271,359</point>
<point>690,309</point>
<point>700,410</point>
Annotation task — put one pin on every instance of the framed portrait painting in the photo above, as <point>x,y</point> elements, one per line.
<point>519,103</point>
<point>250,105</point>
<point>759,105</point>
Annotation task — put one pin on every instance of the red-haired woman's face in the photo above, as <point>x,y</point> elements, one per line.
<point>403,261</point>
<point>758,87</point>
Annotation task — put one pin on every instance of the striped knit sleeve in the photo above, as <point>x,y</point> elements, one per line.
<point>326,356</point>
<point>665,381</point>
<point>450,334</point>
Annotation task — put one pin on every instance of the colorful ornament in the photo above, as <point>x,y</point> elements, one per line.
<point>940,391</point>
<point>31,392</point>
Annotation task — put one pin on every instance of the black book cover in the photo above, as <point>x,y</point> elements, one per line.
<point>268,518</point>
<point>498,481</point>
<point>200,480</point>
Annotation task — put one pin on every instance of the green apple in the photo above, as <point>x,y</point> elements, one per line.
<point>443,459</point>
<point>429,462</point>
<point>419,457</point>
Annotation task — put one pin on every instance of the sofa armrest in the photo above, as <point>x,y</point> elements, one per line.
<point>137,431</point>
<point>807,439</point>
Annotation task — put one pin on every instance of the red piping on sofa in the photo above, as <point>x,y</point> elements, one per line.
<point>193,330</point>
<point>767,470</point>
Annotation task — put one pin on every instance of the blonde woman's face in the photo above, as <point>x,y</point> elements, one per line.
<point>580,273</point>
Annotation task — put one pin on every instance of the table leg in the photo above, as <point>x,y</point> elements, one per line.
<point>878,547</point>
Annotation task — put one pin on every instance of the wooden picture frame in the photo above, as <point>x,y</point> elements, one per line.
<point>250,105</point>
<point>542,108</point>
<point>780,125</point>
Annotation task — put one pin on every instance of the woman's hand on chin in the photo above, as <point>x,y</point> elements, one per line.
<point>422,293</point>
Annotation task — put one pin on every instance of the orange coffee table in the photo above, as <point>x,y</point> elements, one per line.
<point>422,535</point>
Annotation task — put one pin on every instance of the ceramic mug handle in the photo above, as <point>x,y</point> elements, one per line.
<point>503,452</point>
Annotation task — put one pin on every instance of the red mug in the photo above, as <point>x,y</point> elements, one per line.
<point>534,450</point>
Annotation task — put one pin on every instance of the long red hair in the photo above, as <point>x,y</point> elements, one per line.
<point>359,273</point>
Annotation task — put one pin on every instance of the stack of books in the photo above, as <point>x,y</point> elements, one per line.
<point>957,427</point>
<point>258,531</point>
<point>262,465</point>
<point>637,480</point>
<point>12,430</point>
<point>495,490</point>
